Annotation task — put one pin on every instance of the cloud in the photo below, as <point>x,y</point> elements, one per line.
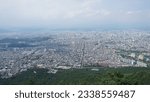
<point>62,12</point>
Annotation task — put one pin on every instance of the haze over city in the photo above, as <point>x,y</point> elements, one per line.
<point>74,42</point>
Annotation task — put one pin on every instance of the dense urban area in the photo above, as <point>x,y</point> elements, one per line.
<point>67,50</point>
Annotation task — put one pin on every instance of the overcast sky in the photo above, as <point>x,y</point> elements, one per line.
<point>73,13</point>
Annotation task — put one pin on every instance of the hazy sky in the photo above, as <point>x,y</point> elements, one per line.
<point>73,13</point>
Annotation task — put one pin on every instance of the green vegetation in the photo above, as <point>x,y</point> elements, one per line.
<point>85,76</point>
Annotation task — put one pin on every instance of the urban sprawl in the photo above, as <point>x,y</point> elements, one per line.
<point>65,50</point>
